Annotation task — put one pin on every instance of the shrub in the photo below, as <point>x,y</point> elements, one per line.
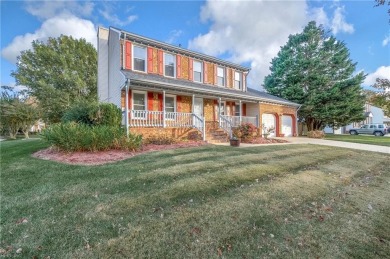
<point>316,134</point>
<point>160,139</point>
<point>245,131</point>
<point>73,136</point>
<point>93,113</point>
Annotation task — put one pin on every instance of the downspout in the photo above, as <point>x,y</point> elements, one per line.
<point>296,118</point>
<point>127,84</point>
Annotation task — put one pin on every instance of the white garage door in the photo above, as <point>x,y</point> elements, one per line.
<point>287,125</point>
<point>269,122</point>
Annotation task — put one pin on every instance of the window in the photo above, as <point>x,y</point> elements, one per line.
<point>197,71</point>
<point>223,105</point>
<point>237,80</point>
<point>139,105</point>
<point>139,58</point>
<point>237,111</point>
<point>169,65</point>
<point>221,76</point>
<point>139,101</point>
<point>170,103</point>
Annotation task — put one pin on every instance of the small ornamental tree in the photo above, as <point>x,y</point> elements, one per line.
<point>381,97</point>
<point>315,70</point>
<point>58,73</point>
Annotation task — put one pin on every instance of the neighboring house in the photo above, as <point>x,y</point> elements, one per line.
<point>168,89</point>
<point>372,114</point>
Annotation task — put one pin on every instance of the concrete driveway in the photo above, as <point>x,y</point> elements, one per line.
<point>304,140</point>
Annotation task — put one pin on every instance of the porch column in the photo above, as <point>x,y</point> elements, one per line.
<point>163,109</point>
<point>219,110</point>
<point>240,112</point>
<point>193,103</point>
<point>127,108</point>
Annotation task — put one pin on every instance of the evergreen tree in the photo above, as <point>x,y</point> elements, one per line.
<point>314,69</point>
<point>58,73</point>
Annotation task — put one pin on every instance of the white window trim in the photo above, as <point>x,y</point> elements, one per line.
<point>201,73</point>
<point>174,105</point>
<point>240,80</point>
<point>146,102</point>
<point>224,76</point>
<point>224,108</point>
<point>174,65</point>
<point>133,56</point>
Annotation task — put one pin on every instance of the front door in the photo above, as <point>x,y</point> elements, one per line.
<point>198,107</point>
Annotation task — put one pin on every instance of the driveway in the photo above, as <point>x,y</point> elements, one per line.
<point>366,147</point>
<point>304,140</point>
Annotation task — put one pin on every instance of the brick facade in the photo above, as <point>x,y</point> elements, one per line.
<point>279,111</point>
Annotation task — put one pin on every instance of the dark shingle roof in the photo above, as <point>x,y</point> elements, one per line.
<point>179,84</point>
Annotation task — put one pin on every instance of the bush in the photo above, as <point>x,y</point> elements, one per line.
<point>245,131</point>
<point>73,136</point>
<point>93,113</point>
<point>316,134</point>
<point>160,139</point>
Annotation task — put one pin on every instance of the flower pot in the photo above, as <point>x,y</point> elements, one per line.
<point>235,142</point>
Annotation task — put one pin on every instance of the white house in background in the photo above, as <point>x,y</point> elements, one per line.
<point>372,113</point>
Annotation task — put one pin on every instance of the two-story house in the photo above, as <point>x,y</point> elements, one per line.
<point>161,87</point>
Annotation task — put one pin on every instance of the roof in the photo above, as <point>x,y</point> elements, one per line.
<point>150,80</point>
<point>180,50</point>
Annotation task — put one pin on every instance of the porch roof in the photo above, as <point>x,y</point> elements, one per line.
<point>157,81</point>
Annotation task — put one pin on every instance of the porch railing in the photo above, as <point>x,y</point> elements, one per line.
<point>238,120</point>
<point>226,125</point>
<point>166,119</point>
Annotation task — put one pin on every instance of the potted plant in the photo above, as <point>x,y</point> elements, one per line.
<point>235,139</point>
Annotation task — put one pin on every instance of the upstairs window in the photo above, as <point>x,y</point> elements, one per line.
<point>139,61</point>
<point>220,76</point>
<point>198,71</point>
<point>237,80</point>
<point>169,65</point>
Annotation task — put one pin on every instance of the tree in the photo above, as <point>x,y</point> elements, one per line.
<point>382,2</point>
<point>17,112</point>
<point>314,69</point>
<point>381,98</point>
<point>58,73</point>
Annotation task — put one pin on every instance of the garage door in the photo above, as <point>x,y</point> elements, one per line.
<point>269,122</point>
<point>287,125</point>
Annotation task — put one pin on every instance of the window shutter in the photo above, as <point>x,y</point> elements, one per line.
<point>160,62</point>
<point>128,55</point>
<point>191,69</point>
<point>178,65</point>
<point>150,60</point>
<point>215,74</point>
<point>150,101</point>
<point>205,72</point>
<point>130,100</point>
<point>243,109</point>
<point>178,104</point>
<point>160,101</point>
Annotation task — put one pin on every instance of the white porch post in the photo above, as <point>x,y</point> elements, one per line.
<point>127,108</point>
<point>193,103</point>
<point>240,112</point>
<point>163,109</point>
<point>219,110</point>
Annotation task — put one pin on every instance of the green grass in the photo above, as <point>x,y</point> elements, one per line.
<point>363,139</point>
<point>299,201</point>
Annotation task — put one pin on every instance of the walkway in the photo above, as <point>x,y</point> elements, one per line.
<point>304,140</point>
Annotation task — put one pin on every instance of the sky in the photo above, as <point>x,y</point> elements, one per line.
<point>249,33</point>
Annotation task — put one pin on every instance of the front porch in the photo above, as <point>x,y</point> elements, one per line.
<point>168,110</point>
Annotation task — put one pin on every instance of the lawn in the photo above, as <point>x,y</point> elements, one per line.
<point>299,201</point>
<point>363,139</point>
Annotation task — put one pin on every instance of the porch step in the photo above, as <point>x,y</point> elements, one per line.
<point>217,136</point>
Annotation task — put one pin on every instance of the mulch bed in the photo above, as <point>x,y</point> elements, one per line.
<point>110,156</point>
<point>264,141</point>
<point>104,157</point>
